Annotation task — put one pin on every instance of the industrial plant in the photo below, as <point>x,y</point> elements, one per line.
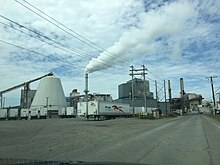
<point>134,99</point>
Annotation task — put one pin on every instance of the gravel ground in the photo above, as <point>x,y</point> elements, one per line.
<point>188,139</point>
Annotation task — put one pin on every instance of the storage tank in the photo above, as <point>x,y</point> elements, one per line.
<point>49,95</point>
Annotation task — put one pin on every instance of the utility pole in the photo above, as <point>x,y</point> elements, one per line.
<point>219,99</point>
<point>156,94</point>
<point>165,95</point>
<point>218,104</point>
<point>169,91</point>
<point>170,96</point>
<point>212,87</point>
<point>141,72</point>
<point>132,88</point>
<point>145,94</point>
<point>1,99</point>
<point>3,102</point>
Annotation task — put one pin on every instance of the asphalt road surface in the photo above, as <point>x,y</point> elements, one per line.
<point>192,139</point>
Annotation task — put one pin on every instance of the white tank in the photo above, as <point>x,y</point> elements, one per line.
<point>49,94</point>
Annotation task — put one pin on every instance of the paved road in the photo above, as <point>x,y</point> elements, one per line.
<point>193,139</point>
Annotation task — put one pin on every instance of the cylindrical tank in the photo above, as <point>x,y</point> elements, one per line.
<point>49,94</point>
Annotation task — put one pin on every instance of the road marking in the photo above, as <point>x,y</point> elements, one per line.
<point>216,125</point>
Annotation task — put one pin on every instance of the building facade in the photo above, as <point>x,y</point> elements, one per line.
<point>125,89</point>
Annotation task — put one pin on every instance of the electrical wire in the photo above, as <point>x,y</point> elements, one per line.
<point>100,50</point>
<point>216,91</point>
<point>154,75</point>
<point>69,51</point>
<point>39,34</point>
<point>57,59</point>
<point>84,55</point>
<point>62,24</point>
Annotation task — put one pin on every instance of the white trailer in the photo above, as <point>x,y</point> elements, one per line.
<point>13,113</point>
<point>141,110</point>
<point>3,114</point>
<point>67,112</point>
<point>23,113</point>
<point>34,113</point>
<point>108,110</point>
<point>42,113</point>
<point>70,112</point>
<point>62,112</point>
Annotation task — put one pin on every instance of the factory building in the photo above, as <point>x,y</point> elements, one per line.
<point>187,101</point>
<point>125,89</point>
<point>125,95</point>
<point>191,101</point>
<point>75,97</point>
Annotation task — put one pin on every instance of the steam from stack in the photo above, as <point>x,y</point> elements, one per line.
<point>165,22</point>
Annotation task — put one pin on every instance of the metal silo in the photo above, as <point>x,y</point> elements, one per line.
<point>49,95</point>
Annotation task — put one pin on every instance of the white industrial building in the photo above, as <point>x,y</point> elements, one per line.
<point>49,95</point>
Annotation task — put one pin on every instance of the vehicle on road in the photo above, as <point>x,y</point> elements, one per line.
<point>108,110</point>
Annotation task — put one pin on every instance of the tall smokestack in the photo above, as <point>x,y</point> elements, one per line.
<point>181,87</point>
<point>169,91</point>
<point>86,93</point>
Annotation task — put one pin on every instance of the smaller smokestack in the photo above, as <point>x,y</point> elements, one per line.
<point>86,93</point>
<point>181,87</point>
<point>169,91</point>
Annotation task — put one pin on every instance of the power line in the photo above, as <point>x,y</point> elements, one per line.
<point>216,91</point>
<point>84,55</point>
<point>55,58</point>
<point>62,24</point>
<point>206,86</point>
<point>101,48</point>
<point>66,50</point>
<point>39,34</point>
<point>57,25</point>
<point>154,75</point>
<point>76,37</point>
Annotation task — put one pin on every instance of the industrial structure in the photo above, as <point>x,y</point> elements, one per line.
<point>187,102</point>
<point>26,85</point>
<point>30,97</point>
<point>49,100</point>
<point>125,89</point>
<point>125,96</point>
<point>76,97</point>
<point>49,95</point>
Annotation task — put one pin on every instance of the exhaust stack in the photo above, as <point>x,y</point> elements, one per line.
<point>169,91</point>
<point>86,93</point>
<point>181,87</point>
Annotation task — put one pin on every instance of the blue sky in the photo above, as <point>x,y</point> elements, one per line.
<point>173,39</point>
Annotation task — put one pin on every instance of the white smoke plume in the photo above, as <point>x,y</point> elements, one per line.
<point>167,21</point>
